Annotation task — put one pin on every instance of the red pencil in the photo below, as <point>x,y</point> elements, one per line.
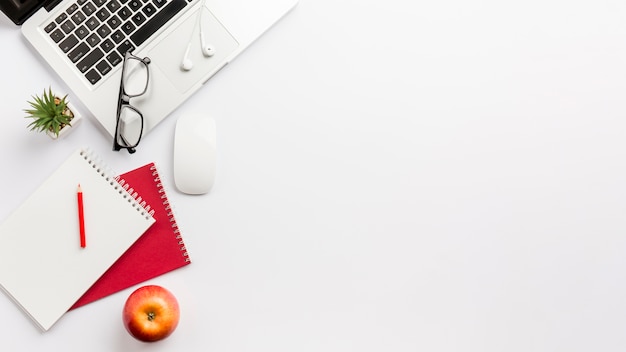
<point>81,216</point>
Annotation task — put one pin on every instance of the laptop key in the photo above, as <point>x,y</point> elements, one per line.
<point>99,2</point>
<point>125,47</point>
<point>50,27</point>
<point>92,76</point>
<point>81,32</point>
<point>114,22</point>
<point>148,10</point>
<point>67,26</point>
<point>138,18</point>
<point>103,14</point>
<point>92,23</point>
<point>93,40</point>
<point>90,60</point>
<point>135,5</point>
<point>72,8</point>
<point>104,31</point>
<point>78,17</point>
<point>89,9</point>
<point>107,45</point>
<point>128,27</point>
<point>113,5</point>
<point>114,58</point>
<point>62,17</point>
<point>68,43</point>
<point>103,67</point>
<point>157,21</point>
<point>117,36</point>
<point>81,50</point>
<point>159,3</point>
<point>124,13</point>
<point>57,35</point>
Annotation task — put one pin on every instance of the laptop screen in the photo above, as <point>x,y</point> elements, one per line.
<point>19,10</point>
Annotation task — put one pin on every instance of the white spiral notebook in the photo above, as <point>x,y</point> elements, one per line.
<point>42,265</point>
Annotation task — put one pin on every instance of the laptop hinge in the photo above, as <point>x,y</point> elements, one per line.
<point>49,5</point>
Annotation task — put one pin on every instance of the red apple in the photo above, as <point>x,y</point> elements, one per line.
<point>151,313</point>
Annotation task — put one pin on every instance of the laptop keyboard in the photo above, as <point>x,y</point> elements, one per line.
<point>95,34</point>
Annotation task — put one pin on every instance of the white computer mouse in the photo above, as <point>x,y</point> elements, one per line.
<point>194,153</point>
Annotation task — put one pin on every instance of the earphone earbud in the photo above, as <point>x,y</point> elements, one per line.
<point>207,50</point>
<point>187,64</point>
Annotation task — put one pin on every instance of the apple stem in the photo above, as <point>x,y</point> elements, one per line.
<point>151,316</point>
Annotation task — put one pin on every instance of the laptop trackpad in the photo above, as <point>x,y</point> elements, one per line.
<point>168,55</point>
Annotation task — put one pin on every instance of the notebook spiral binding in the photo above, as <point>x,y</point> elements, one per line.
<point>118,184</point>
<point>170,212</point>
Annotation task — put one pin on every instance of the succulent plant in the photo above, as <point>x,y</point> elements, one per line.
<point>49,113</point>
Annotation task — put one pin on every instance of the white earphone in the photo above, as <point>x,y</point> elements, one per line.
<point>207,50</point>
<point>187,64</point>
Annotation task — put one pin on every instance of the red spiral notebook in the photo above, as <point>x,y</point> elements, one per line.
<point>161,248</point>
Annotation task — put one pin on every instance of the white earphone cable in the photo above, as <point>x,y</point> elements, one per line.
<point>207,50</point>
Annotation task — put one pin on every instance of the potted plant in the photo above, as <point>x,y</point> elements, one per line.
<point>52,114</point>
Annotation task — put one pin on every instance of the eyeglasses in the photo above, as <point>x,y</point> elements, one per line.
<point>134,83</point>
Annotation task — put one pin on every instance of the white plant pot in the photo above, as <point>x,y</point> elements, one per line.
<point>68,128</point>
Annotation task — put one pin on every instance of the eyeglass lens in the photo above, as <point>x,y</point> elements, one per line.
<point>135,77</point>
<point>129,128</point>
<point>135,83</point>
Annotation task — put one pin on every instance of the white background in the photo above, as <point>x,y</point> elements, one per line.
<point>392,176</point>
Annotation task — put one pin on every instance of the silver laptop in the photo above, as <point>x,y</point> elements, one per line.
<point>187,42</point>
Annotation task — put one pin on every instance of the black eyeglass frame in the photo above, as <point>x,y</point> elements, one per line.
<point>123,101</point>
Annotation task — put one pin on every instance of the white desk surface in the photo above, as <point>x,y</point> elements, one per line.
<point>392,176</point>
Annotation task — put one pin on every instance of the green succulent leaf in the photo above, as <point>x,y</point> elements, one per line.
<point>48,113</point>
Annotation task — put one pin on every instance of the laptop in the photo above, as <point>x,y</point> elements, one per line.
<point>84,41</point>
